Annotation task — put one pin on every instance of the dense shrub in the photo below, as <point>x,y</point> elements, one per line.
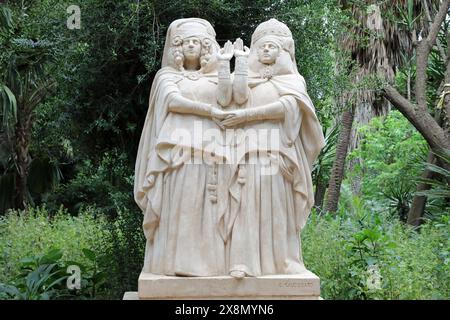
<point>118,244</point>
<point>125,254</point>
<point>390,159</point>
<point>106,185</point>
<point>358,254</point>
<point>366,255</point>
<point>25,234</point>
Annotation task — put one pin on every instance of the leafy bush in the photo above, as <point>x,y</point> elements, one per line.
<point>361,254</point>
<point>357,253</point>
<point>46,277</point>
<point>41,278</point>
<point>111,250</point>
<point>126,253</point>
<point>391,153</point>
<point>32,232</point>
<point>106,185</point>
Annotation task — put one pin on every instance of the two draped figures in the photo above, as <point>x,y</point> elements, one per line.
<point>223,171</point>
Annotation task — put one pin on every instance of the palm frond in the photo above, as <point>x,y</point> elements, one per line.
<point>8,108</point>
<point>41,92</point>
<point>440,188</point>
<point>6,20</point>
<point>439,170</point>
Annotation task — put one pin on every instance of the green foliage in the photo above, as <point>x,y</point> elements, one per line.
<point>25,82</point>
<point>126,253</point>
<point>391,153</point>
<point>440,186</point>
<point>45,277</point>
<point>324,163</point>
<point>360,254</point>
<point>356,253</point>
<point>40,278</point>
<point>107,185</point>
<point>438,195</point>
<point>8,108</point>
<point>111,250</point>
<point>32,233</point>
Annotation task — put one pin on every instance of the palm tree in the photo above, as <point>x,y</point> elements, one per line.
<point>434,129</point>
<point>24,84</point>
<point>322,166</point>
<point>377,46</point>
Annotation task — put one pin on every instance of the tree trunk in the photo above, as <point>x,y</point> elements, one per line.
<point>22,143</point>
<point>337,172</point>
<point>417,209</point>
<point>319,195</point>
<point>418,203</point>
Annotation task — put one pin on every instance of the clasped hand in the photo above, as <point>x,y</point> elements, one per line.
<point>229,118</point>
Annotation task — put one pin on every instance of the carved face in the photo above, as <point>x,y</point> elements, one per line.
<point>268,52</point>
<point>192,48</point>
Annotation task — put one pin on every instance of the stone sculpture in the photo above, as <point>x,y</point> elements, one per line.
<point>233,207</point>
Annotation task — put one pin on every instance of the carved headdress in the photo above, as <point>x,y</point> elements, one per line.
<point>190,27</point>
<point>278,33</point>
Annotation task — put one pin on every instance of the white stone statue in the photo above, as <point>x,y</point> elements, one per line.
<point>237,215</point>
<point>177,199</point>
<point>268,210</point>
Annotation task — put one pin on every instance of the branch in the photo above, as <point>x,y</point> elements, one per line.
<point>446,106</point>
<point>435,136</point>
<point>438,43</point>
<point>423,51</point>
<point>438,19</point>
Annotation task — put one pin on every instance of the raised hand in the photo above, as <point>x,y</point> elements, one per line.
<point>226,53</point>
<point>239,49</point>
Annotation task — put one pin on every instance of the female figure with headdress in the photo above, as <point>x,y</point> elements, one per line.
<point>177,197</point>
<point>271,187</point>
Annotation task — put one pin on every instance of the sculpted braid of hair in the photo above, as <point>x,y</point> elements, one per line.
<point>178,56</point>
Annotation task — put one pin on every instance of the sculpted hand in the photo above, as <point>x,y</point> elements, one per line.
<point>239,49</point>
<point>234,118</point>
<point>226,53</point>
<point>216,113</point>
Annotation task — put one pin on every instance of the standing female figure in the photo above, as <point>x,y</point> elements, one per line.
<point>177,194</point>
<point>271,187</point>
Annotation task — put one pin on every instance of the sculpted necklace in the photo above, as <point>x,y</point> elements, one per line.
<point>267,72</point>
<point>193,75</point>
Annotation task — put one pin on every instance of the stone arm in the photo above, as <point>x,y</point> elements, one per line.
<point>224,86</point>
<point>271,111</point>
<point>240,83</point>
<point>180,104</point>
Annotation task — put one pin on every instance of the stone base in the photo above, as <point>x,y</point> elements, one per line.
<point>304,286</point>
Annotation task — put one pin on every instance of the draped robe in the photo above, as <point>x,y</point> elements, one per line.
<point>180,218</point>
<point>267,211</point>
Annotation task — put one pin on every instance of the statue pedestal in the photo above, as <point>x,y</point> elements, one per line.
<point>304,286</point>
